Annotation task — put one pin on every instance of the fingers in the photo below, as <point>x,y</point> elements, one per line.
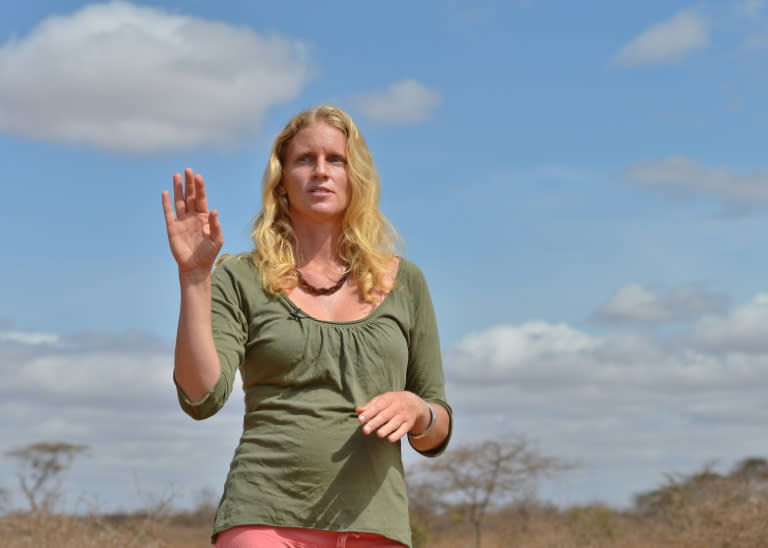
<point>189,190</point>
<point>189,194</point>
<point>390,415</point>
<point>167,211</point>
<point>217,235</point>
<point>399,433</point>
<point>178,197</point>
<point>393,429</point>
<point>201,200</point>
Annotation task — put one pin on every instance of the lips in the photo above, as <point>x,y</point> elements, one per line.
<point>320,190</point>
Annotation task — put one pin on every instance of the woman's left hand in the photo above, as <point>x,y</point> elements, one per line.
<point>393,414</point>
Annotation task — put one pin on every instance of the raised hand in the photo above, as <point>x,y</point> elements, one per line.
<point>194,233</point>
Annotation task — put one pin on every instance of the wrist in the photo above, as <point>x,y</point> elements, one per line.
<point>429,427</point>
<point>190,278</point>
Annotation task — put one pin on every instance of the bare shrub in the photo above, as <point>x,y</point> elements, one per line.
<point>470,480</point>
<point>709,509</point>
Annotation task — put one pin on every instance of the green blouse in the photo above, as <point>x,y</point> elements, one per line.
<point>303,460</point>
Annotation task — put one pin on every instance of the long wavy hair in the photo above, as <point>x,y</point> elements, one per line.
<point>368,241</point>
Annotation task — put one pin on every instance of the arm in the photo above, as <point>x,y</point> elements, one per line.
<point>395,414</point>
<point>196,364</point>
<point>195,238</point>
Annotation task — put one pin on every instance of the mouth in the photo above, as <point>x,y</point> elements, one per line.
<point>320,190</point>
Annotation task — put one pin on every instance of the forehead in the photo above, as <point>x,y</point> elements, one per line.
<point>318,136</point>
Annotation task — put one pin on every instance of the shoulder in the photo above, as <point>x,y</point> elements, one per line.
<point>234,263</point>
<point>410,276</point>
<point>237,269</point>
<point>409,269</point>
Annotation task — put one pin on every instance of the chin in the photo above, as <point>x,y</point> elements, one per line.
<point>321,214</point>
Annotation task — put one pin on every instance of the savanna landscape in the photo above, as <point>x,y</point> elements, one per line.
<point>480,495</point>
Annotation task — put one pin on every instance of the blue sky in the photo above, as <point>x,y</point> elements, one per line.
<point>584,185</point>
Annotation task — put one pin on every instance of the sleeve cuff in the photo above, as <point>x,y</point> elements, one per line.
<point>207,406</point>
<point>440,449</point>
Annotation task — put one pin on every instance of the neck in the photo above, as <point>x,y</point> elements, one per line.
<point>317,243</point>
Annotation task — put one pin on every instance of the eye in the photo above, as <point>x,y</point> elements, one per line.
<point>304,159</point>
<point>337,159</point>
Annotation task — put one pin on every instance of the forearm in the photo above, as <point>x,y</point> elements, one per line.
<point>196,364</point>
<point>437,434</point>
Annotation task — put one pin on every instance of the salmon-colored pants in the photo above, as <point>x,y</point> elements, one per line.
<point>265,536</point>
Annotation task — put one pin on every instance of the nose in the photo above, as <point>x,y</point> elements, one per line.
<point>321,167</point>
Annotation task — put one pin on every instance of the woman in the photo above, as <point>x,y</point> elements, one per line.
<point>335,339</point>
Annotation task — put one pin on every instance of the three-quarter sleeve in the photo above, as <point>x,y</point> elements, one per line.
<point>230,330</point>
<point>425,375</point>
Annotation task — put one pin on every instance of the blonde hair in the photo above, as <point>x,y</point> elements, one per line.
<point>367,243</point>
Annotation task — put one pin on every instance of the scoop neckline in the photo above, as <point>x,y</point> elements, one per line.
<point>369,316</point>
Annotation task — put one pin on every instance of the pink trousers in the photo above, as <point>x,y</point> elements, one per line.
<point>265,536</point>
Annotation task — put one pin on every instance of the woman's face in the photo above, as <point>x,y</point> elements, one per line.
<point>315,174</point>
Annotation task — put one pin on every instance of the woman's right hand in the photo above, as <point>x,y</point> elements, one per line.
<point>194,233</point>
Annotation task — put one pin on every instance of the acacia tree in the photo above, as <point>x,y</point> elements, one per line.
<point>480,477</point>
<point>42,465</point>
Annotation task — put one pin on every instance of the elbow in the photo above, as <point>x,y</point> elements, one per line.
<point>204,407</point>
<point>205,400</point>
<point>208,407</point>
<point>199,414</point>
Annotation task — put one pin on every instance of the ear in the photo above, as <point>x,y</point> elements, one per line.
<point>281,189</point>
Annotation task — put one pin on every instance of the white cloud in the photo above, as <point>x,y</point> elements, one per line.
<point>668,41</point>
<point>650,403</point>
<point>140,79</point>
<point>28,337</point>
<point>498,351</point>
<point>635,303</point>
<point>682,176</point>
<point>742,331</point>
<point>85,370</point>
<point>404,102</point>
<point>635,404</point>
<point>113,393</point>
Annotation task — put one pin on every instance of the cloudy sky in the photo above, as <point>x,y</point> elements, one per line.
<point>584,184</point>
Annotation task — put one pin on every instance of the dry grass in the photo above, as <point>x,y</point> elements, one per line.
<point>47,530</point>
<point>702,511</point>
<point>720,520</point>
<point>42,530</point>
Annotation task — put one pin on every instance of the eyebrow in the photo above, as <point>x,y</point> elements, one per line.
<point>300,151</point>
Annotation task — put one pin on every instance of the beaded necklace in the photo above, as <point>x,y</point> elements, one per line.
<point>312,290</point>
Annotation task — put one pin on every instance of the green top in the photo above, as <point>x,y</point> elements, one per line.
<point>303,460</point>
